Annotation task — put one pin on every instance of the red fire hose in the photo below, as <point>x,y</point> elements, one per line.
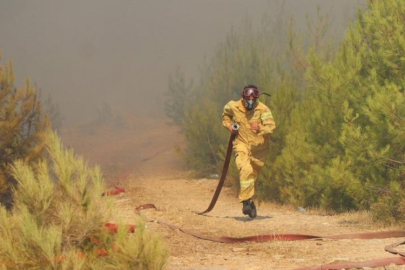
<point>235,127</point>
<point>294,237</point>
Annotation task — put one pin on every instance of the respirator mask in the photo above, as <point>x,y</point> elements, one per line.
<point>247,92</point>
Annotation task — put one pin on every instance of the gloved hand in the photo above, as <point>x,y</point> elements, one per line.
<point>255,127</point>
<point>233,129</point>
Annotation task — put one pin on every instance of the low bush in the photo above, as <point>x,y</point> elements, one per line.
<point>58,219</point>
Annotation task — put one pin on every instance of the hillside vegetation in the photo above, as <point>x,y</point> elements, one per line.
<point>339,110</point>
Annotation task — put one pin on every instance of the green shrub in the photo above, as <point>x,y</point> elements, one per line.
<point>344,147</point>
<point>23,126</point>
<point>58,220</point>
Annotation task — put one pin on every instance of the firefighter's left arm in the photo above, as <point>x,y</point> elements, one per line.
<point>267,123</point>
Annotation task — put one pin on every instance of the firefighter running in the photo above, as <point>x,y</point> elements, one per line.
<point>251,144</point>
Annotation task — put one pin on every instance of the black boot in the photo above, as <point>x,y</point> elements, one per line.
<point>246,207</point>
<point>249,208</point>
<point>253,211</point>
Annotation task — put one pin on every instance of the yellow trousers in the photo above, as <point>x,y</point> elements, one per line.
<point>249,163</point>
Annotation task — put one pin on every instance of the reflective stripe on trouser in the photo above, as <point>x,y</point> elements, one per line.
<point>247,189</point>
<point>249,168</point>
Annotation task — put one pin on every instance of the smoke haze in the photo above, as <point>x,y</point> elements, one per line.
<point>86,53</point>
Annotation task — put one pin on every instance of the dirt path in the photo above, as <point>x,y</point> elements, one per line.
<point>154,174</point>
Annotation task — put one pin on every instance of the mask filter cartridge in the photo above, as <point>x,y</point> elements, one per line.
<point>249,104</point>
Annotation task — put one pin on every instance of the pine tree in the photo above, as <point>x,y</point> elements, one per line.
<point>177,97</point>
<point>345,146</point>
<point>23,126</point>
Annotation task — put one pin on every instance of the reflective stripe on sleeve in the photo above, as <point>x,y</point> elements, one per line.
<point>266,115</point>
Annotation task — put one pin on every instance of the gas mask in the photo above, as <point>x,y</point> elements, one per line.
<point>249,103</point>
<point>247,92</point>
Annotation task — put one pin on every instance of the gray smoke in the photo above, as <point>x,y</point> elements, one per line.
<point>87,53</point>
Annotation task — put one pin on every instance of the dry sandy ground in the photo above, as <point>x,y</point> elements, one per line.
<point>143,158</point>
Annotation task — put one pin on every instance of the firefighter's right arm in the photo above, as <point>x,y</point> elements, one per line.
<point>227,116</point>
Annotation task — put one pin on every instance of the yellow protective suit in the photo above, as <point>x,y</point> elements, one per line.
<point>250,147</point>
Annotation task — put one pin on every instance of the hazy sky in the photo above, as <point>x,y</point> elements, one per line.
<point>121,52</point>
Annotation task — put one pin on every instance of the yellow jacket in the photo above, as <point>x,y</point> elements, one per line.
<point>235,112</point>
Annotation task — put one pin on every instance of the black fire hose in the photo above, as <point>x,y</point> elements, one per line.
<point>235,127</point>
